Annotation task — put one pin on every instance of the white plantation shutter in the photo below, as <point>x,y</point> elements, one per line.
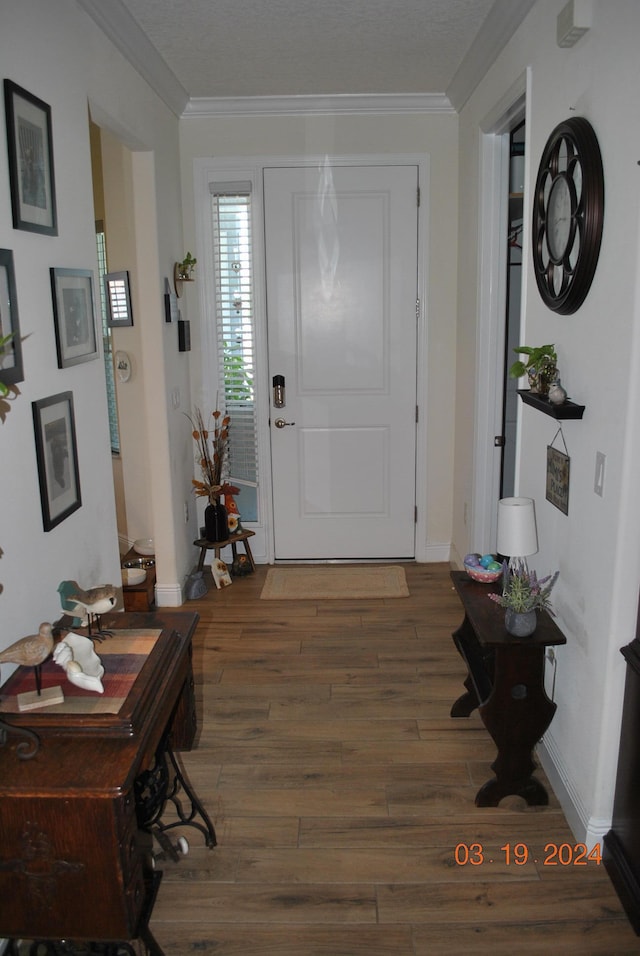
<point>233,270</point>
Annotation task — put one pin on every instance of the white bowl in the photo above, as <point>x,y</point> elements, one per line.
<point>132,576</point>
<point>144,546</point>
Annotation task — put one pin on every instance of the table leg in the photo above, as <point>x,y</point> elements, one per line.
<point>479,666</point>
<point>249,554</point>
<point>516,714</point>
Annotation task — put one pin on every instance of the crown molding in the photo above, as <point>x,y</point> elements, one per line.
<point>119,26</point>
<point>318,105</point>
<point>502,22</point>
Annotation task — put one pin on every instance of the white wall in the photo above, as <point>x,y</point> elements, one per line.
<point>57,53</point>
<point>595,546</point>
<point>433,136</point>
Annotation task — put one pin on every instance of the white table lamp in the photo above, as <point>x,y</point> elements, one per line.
<point>517,533</point>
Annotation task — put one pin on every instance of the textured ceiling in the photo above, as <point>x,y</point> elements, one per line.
<point>247,48</point>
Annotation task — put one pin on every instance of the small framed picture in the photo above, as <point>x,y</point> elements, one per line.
<point>118,295</point>
<point>171,311</point>
<point>558,472</point>
<point>74,316</point>
<point>57,456</point>
<point>30,145</point>
<point>220,573</point>
<point>11,352</point>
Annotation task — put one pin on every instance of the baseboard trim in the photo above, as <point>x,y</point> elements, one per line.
<point>552,765</point>
<point>586,829</point>
<point>433,553</point>
<point>169,595</point>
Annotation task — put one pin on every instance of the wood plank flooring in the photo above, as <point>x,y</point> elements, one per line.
<point>340,787</point>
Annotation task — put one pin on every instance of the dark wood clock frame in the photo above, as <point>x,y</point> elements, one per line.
<point>571,166</point>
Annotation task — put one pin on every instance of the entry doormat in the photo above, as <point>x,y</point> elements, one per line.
<point>335,583</point>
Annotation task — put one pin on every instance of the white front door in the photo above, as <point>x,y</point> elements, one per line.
<point>341,250</point>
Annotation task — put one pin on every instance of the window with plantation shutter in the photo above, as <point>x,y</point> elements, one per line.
<point>233,270</point>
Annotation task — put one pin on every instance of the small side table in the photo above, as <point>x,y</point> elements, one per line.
<point>139,597</point>
<point>233,540</point>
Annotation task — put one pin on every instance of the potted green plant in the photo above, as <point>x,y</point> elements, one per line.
<point>523,595</point>
<point>541,366</point>
<point>186,267</point>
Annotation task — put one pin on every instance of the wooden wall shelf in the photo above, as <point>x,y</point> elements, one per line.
<point>565,411</point>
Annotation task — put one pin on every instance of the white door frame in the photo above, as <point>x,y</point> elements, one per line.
<point>492,297</point>
<point>243,168</point>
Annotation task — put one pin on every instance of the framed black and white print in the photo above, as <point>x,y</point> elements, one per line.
<point>30,146</point>
<point>118,296</point>
<point>57,455</point>
<point>74,316</point>
<point>11,353</point>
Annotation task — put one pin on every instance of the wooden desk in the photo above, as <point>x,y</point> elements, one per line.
<point>74,863</point>
<point>505,682</point>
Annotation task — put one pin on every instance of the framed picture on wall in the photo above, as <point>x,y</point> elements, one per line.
<point>74,316</point>
<point>57,456</point>
<point>11,353</point>
<point>118,293</point>
<point>31,175</point>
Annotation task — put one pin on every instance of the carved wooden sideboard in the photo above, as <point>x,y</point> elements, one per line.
<point>74,861</point>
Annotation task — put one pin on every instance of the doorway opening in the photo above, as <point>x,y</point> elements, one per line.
<point>506,122</point>
<point>513,308</point>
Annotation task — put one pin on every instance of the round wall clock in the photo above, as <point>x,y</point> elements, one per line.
<point>568,211</point>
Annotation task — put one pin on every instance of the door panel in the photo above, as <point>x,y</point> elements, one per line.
<point>341,291</point>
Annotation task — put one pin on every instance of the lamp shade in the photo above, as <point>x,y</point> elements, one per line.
<point>517,533</point>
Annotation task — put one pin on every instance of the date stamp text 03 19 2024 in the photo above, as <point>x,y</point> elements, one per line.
<point>519,854</point>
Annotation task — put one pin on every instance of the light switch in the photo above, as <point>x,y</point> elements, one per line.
<point>598,484</point>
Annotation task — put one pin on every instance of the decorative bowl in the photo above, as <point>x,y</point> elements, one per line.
<point>131,576</point>
<point>144,562</point>
<point>144,546</point>
<point>482,575</point>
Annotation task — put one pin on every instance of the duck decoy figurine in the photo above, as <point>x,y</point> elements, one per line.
<point>30,651</point>
<point>93,603</point>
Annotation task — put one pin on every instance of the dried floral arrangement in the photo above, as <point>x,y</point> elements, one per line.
<point>211,454</point>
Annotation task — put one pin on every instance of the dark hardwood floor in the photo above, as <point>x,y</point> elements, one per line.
<point>340,788</point>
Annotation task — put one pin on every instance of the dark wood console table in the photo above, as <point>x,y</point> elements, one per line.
<point>505,682</point>
<point>75,840</point>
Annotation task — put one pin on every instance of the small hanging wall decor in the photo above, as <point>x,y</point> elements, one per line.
<point>558,467</point>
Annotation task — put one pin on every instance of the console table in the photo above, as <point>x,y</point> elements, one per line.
<point>75,832</point>
<point>505,681</point>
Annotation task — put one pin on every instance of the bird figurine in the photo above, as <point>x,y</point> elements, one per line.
<point>31,651</point>
<point>557,394</point>
<point>93,602</point>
